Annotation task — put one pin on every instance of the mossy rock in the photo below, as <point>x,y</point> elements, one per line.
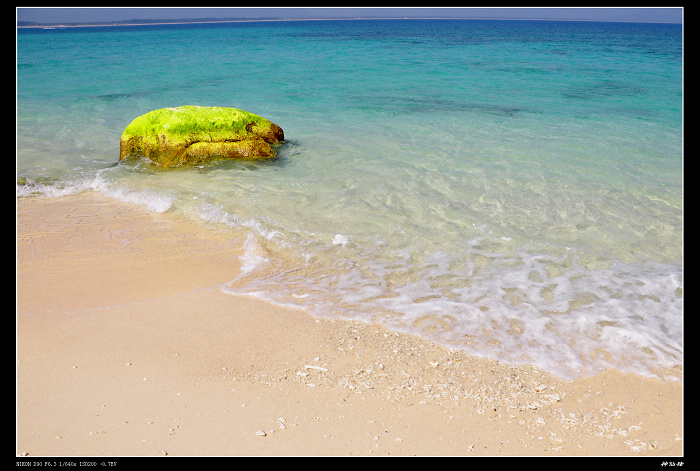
<point>171,137</point>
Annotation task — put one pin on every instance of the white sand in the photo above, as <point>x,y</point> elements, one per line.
<point>126,346</point>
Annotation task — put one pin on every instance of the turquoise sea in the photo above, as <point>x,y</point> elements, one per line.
<point>508,188</point>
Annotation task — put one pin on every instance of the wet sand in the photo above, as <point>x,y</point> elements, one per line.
<point>126,346</point>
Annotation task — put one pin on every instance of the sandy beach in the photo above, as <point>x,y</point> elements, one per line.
<point>126,346</point>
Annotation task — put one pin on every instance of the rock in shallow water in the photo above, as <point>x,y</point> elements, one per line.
<point>171,137</point>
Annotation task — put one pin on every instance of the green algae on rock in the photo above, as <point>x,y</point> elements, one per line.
<point>171,137</point>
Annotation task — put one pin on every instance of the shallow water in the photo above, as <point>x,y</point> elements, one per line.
<point>510,188</point>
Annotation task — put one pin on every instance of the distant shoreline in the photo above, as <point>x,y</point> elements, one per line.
<point>87,25</point>
<point>252,20</point>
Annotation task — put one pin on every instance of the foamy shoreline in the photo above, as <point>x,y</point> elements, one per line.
<point>126,346</point>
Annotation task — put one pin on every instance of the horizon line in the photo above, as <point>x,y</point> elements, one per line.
<point>157,21</point>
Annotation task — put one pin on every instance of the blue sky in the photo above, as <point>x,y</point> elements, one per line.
<point>82,15</point>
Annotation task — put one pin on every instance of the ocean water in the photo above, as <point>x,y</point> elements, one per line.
<point>508,188</point>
